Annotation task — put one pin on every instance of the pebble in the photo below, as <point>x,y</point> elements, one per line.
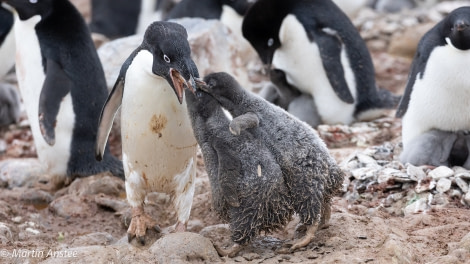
<point>441,172</point>
<point>443,185</point>
<point>415,173</point>
<point>463,185</point>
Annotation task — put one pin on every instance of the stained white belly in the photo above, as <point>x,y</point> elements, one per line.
<point>300,60</point>
<point>441,100</point>
<point>159,148</point>
<point>31,77</point>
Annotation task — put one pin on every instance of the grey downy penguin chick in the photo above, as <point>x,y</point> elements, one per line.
<point>63,87</point>
<point>430,148</point>
<point>309,171</point>
<point>158,145</point>
<point>9,104</point>
<point>321,53</point>
<point>248,188</point>
<point>437,93</point>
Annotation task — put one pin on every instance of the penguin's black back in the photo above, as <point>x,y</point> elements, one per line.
<point>208,9</point>
<point>65,38</point>
<point>6,22</point>
<point>115,18</point>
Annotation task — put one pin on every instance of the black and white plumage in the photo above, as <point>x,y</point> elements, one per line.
<point>438,91</point>
<point>248,187</point>
<point>321,53</point>
<point>311,174</point>
<point>158,145</point>
<point>63,87</point>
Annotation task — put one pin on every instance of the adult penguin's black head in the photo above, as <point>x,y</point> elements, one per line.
<point>261,26</point>
<point>457,28</point>
<point>29,8</point>
<point>168,43</point>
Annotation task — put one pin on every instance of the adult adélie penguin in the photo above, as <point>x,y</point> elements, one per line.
<point>62,84</point>
<point>437,94</point>
<point>158,144</point>
<point>321,53</point>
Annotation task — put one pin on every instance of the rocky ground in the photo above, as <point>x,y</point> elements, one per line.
<point>387,212</point>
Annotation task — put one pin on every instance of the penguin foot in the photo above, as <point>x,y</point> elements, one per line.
<point>180,227</point>
<point>301,242</point>
<point>229,252</point>
<point>140,222</point>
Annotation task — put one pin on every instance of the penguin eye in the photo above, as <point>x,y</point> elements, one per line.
<point>270,42</point>
<point>33,1</point>
<point>164,55</point>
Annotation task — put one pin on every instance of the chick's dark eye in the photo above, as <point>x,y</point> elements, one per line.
<point>166,58</point>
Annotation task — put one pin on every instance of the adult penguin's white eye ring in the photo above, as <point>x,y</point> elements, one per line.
<point>270,42</point>
<point>33,1</point>
<point>164,55</point>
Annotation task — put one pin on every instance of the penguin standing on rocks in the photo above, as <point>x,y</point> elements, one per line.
<point>437,94</point>
<point>63,87</point>
<point>158,144</point>
<point>7,41</point>
<point>321,53</point>
<point>311,174</point>
<point>248,188</point>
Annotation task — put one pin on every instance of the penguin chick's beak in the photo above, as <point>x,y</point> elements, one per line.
<point>179,84</point>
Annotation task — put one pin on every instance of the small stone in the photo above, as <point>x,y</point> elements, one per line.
<point>463,185</point>
<point>364,173</point>
<point>443,185</point>
<point>420,205</point>
<point>366,160</point>
<point>466,198</point>
<point>440,199</point>
<point>17,219</point>
<point>441,172</point>
<point>424,185</point>
<point>462,173</point>
<point>415,173</point>
<point>33,231</point>
<point>5,231</point>
<point>71,205</point>
<point>40,199</point>
<point>455,194</point>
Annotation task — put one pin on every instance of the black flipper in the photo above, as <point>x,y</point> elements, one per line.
<point>56,86</point>
<point>330,52</point>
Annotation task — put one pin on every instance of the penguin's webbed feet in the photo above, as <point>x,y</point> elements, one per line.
<point>229,252</point>
<point>140,222</point>
<point>301,242</point>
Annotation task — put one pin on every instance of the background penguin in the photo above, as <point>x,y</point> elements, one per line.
<point>9,105</point>
<point>7,41</point>
<point>248,188</point>
<point>119,18</point>
<point>63,87</point>
<point>309,171</point>
<point>437,94</point>
<point>158,145</point>
<point>229,12</point>
<point>431,148</point>
<point>321,53</point>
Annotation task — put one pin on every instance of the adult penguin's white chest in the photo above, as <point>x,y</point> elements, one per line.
<point>30,74</point>
<point>441,97</point>
<point>300,59</point>
<point>158,144</point>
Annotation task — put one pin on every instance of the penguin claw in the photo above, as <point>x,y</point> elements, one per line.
<point>130,237</point>
<point>141,240</point>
